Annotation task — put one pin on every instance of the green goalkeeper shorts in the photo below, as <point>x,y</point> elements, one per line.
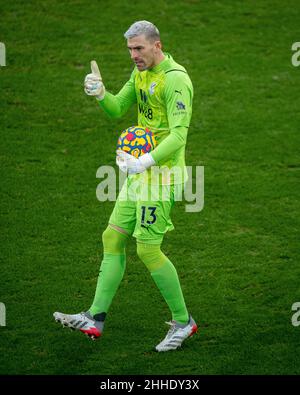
<point>143,210</point>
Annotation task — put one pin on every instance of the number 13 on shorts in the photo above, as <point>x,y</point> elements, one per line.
<point>153,221</point>
<point>148,212</point>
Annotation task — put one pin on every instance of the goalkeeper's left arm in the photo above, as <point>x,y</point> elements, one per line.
<point>178,97</point>
<point>173,142</point>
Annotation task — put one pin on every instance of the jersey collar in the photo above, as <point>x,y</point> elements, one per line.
<point>163,65</point>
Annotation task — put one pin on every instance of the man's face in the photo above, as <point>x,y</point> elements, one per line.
<point>143,52</point>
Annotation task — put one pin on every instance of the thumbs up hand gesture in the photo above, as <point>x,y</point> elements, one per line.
<point>93,85</point>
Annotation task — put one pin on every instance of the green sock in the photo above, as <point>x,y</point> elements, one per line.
<point>165,277</point>
<point>167,280</point>
<point>111,270</point>
<point>111,273</point>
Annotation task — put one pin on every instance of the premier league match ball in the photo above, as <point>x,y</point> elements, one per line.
<point>137,141</point>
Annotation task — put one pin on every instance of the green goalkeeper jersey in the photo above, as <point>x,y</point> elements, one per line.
<point>164,96</point>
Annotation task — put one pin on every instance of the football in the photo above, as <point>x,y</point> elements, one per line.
<point>137,141</point>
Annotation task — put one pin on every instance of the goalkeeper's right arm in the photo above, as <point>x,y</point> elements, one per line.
<point>116,106</point>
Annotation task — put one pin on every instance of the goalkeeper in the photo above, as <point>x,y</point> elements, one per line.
<point>163,92</point>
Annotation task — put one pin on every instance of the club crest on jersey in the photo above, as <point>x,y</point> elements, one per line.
<point>180,105</point>
<point>151,89</point>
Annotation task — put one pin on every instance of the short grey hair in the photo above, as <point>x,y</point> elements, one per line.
<point>143,27</point>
